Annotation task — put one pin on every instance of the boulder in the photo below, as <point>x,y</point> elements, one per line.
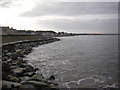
<point>25,78</point>
<point>19,71</point>
<point>51,88</point>
<point>36,69</point>
<point>13,78</point>
<point>27,86</point>
<point>5,67</point>
<point>53,83</point>
<point>4,75</point>
<point>13,67</point>
<point>8,84</point>
<point>20,64</point>
<point>52,77</point>
<point>38,77</point>
<point>29,68</point>
<point>30,74</point>
<point>36,84</point>
<point>14,56</point>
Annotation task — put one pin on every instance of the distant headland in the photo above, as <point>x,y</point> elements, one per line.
<point>6,30</point>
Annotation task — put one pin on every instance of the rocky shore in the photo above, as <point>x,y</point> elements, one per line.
<point>17,74</point>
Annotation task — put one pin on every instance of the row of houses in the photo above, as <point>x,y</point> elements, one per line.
<point>11,31</point>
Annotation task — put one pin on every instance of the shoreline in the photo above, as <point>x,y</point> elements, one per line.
<point>17,73</point>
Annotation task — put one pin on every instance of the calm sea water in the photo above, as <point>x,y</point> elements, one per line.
<point>86,61</point>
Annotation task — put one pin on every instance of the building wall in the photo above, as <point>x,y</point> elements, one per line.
<point>8,31</point>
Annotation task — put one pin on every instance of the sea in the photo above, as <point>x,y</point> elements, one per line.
<point>84,61</point>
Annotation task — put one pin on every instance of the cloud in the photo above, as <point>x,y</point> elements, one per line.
<point>5,3</point>
<point>106,26</point>
<point>66,16</point>
<point>10,3</point>
<point>72,9</point>
<point>76,16</point>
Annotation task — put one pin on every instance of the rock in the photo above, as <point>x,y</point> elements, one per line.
<point>30,74</point>
<point>13,87</point>
<point>54,83</point>
<point>8,84</point>
<point>5,67</point>
<point>29,68</point>
<point>13,78</point>
<point>4,75</point>
<point>51,77</point>
<point>4,87</point>
<point>20,59</point>
<point>36,69</point>
<point>21,64</point>
<point>25,78</point>
<point>27,86</point>
<point>14,67</point>
<point>36,84</point>
<point>25,61</point>
<point>14,56</point>
<point>38,77</point>
<point>50,88</point>
<point>19,71</point>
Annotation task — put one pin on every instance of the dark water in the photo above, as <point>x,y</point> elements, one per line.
<point>80,61</point>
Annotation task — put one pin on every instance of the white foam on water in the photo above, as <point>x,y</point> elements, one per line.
<point>78,82</point>
<point>67,83</point>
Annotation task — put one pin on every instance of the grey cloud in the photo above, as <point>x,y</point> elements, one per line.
<point>104,26</point>
<point>72,8</point>
<point>5,4</point>
<point>8,3</point>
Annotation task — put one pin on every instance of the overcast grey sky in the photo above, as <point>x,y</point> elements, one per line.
<point>90,17</point>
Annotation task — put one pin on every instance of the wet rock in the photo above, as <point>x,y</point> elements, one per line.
<point>29,68</point>
<point>5,67</point>
<point>14,67</point>
<point>4,87</point>
<point>19,71</point>
<point>20,64</point>
<point>8,84</point>
<point>36,69</point>
<point>25,78</point>
<point>27,86</point>
<point>51,88</point>
<point>52,77</point>
<point>36,84</point>
<point>53,83</point>
<point>13,78</point>
<point>30,74</point>
<point>25,61</point>
<point>14,56</point>
<point>4,75</point>
<point>38,77</point>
